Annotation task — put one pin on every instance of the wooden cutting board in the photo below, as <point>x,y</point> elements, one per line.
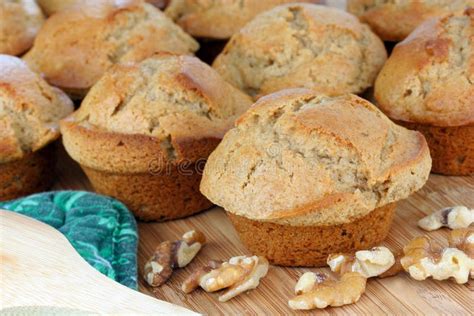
<point>39,267</point>
<point>398,295</point>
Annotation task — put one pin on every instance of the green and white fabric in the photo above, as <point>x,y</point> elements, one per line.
<point>100,228</point>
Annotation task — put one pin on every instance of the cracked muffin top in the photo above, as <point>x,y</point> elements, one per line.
<point>395,20</point>
<point>169,107</point>
<point>75,47</point>
<point>302,158</point>
<point>29,110</point>
<point>20,21</point>
<point>218,19</point>
<point>302,45</point>
<point>429,78</point>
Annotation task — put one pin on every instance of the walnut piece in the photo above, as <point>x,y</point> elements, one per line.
<point>192,282</point>
<point>237,275</point>
<point>452,217</point>
<point>159,268</point>
<point>463,239</point>
<point>186,249</point>
<point>326,291</point>
<point>369,263</point>
<point>171,255</point>
<point>422,260</point>
<point>396,268</point>
<point>308,280</point>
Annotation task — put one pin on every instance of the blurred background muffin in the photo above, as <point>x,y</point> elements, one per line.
<point>75,47</point>
<point>303,175</point>
<point>29,113</point>
<point>20,21</point>
<point>427,85</point>
<point>302,45</point>
<point>213,22</point>
<point>51,7</point>
<point>145,130</point>
<point>218,19</point>
<point>394,20</point>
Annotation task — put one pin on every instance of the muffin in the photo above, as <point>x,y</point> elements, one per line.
<point>145,130</point>
<point>302,45</point>
<point>427,85</point>
<point>393,21</point>
<point>303,175</point>
<point>51,7</point>
<point>75,47</point>
<point>218,19</point>
<point>29,112</point>
<point>20,21</point>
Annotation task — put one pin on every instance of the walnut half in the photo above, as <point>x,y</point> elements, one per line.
<point>452,217</point>
<point>321,291</point>
<point>237,275</point>
<point>463,239</point>
<point>369,263</point>
<point>171,255</point>
<point>422,260</point>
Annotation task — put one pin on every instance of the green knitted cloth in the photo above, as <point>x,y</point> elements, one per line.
<point>100,228</point>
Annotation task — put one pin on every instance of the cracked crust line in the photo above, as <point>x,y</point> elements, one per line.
<point>429,77</point>
<point>29,110</point>
<point>179,106</point>
<point>285,139</point>
<point>254,60</point>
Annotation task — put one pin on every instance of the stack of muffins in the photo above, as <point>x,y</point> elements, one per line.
<point>311,165</point>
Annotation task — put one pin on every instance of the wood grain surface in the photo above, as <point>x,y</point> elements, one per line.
<point>39,267</point>
<point>397,295</point>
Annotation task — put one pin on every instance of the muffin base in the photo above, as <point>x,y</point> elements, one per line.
<point>310,246</point>
<point>168,194</point>
<point>451,148</point>
<point>30,174</point>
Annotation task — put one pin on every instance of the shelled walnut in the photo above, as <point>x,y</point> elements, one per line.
<point>318,290</point>
<point>369,263</point>
<point>396,268</point>
<point>452,217</point>
<point>238,275</point>
<point>171,255</point>
<point>422,260</point>
<point>308,280</point>
<point>463,239</point>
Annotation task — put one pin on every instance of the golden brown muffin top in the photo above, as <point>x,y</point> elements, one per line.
<point>395,20</point>
<point>302,45</point>
<point>429,78</point>
<point>20,21</point>
<point>218,19</point>
<point>173,100</point>
<point>75,47</point>
<point>29,110</point>
<point>302,158</point>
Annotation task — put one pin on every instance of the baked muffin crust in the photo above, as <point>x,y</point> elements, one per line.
<point>20,21</point>
<point>302,45</point>
<point>166,109</point>
<point>75,47</point>
<point>302,158</point>
<point>395,20</point>
<point>218,19</point>
<point>29,110</point>
<point>429,77</point>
